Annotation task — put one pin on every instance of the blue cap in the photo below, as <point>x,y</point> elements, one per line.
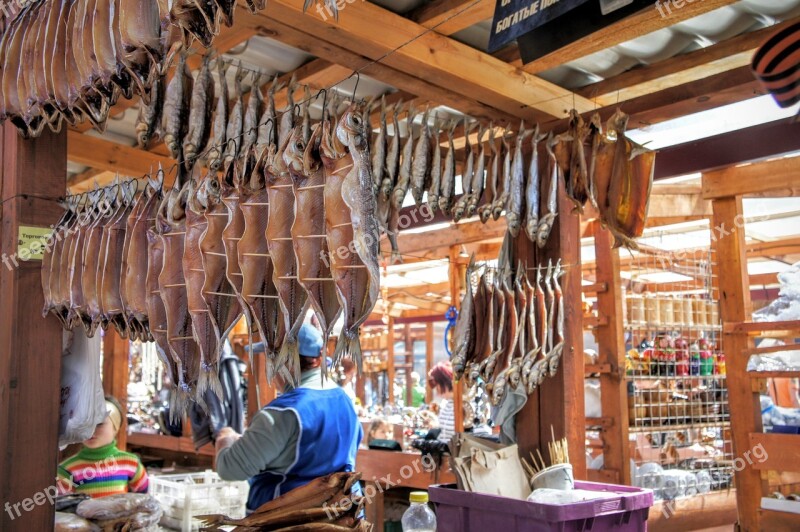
<point>310,341</point>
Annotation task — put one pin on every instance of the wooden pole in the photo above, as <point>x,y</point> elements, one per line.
<point>428,361</point>
<point>559,401</point>
<point>390,361</point>
<point>455,297</point>
<point>734,301</point>
<point>409,361</point>
<point>611,350</point>
<point>30,346</point>
<point>116,367</point>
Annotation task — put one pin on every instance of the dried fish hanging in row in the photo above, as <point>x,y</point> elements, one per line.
<point>180,267</point>
<point>510,328</point>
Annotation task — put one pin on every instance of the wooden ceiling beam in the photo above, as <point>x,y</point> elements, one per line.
<point>646,21</point>
<point>440,60</point>
<point>451,16</point>
<point>111,156</point>
<point>758,177</point>
<point>717,58</point>
<point>310,43</point>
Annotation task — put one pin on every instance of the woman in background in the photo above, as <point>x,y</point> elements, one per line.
<point>440,379</point>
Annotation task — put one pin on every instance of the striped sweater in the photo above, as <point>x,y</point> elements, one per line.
<point>101,472</point>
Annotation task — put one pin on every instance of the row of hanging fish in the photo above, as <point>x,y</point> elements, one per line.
<point>70,60</point>
<point>296,230</point>
<point>501,176</point>
<point>510,327</point>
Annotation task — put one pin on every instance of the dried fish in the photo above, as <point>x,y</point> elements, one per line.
<point>419,170</point>
<point>466,175</point>
<point>217,149</point>
<point>551,207</point>
<point>287,122</point>
<point>464,331</point>
<point>202,105</point>
<point>176,108</point>
<point>477,186</point>
<point>308,231</point>
<point>293,299</point>
<point>504,185</point>
<point>150,114</point>
<point>595,138</point>
<point>357,195</point>
<point>490,190</point>
<point>233,131</point>
<point>392,156</point>
<point>404,177</point>
<point>532,188</point>
<point>268,123</point>
<point>379,149</point>
<point>514,211</point>
<point>448,184</point>
<point>436,169</point>
<point>251,116</point>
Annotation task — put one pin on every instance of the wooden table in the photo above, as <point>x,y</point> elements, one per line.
<point>383,470</point>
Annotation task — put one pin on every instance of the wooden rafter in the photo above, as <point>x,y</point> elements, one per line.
<point>299,37</point>
<point>111,156</point>
<point>641,23</point>
<point>451,16</point>
<point>764,176</point>
<point>721,57</point>
<point>438,59</point>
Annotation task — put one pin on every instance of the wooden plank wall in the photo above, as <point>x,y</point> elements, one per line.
<point>30,346</point>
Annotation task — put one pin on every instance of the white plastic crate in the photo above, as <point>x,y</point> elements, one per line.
<point>184,496</point>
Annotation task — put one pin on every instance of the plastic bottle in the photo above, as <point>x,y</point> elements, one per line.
<point>419,517</point>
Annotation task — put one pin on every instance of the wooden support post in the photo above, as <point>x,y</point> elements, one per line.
<point>116,367</point>
<point>390,361</point>
<point>409,361</point>
<point>30,346</point>
<point>559,401</point>
<point>428,361</point>
<point>734,302</point>
<point>611,347</point>
<point>455,299</point>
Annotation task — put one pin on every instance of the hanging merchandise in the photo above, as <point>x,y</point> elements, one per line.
<point>83,404</point>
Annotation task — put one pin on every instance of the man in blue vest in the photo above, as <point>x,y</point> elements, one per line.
<point>308,432</point>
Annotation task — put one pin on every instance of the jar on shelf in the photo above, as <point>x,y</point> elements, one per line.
<point>681,357</point>
<point>720,367</point>
<point>694,360</point>
<point>700,315</point>
<point>706,363</point>
<point>651,311</point>
<point>688,312</point>
<point>666,311</point>
<point>636,316</point>
<point>677,311</point>
<point>714,319</point>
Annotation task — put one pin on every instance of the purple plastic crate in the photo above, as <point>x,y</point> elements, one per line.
<point>462,511</point>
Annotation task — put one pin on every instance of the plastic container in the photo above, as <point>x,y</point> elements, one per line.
<point>557,477</point>
<point>186,495</point>
<point>419,517</point>
<point>462,511</point>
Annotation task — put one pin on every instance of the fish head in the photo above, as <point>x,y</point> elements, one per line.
<point>311,160</point>
<point>213,191</point>
<point>352,128</point>
<point>294,151</point>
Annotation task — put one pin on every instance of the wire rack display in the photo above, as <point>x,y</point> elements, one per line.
<point>676,376</point>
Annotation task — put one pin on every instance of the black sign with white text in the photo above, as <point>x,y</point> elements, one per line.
<point>513,18</point>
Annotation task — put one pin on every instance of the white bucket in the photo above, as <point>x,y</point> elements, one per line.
<point>558,477</point>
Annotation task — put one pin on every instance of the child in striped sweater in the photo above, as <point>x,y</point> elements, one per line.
<point>100,469</point>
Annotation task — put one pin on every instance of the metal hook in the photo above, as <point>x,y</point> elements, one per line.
<point>355,88</point>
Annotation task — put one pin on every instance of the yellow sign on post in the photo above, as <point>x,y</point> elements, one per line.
<point>31,242</point>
